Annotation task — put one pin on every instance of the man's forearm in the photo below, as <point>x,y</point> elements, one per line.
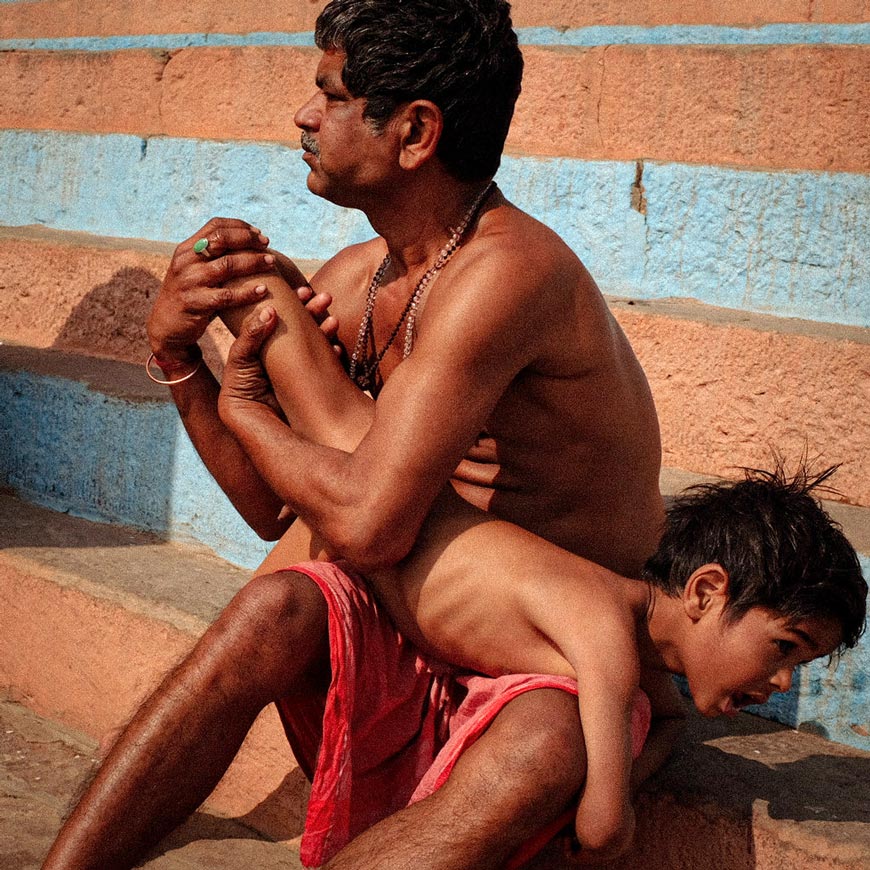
<point>196,400</point>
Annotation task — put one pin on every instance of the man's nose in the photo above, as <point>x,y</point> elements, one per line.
<point>782,679</point>
<point>307,117</point>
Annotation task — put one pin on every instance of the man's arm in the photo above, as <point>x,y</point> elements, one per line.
<point>369,500</point>
<point>189,298</point>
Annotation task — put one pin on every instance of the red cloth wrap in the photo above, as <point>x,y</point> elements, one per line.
<point>393,722</point>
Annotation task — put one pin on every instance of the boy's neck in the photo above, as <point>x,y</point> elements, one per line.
<point>666,621</point>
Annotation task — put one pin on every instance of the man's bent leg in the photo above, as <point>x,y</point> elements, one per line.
<point>271,641</point>
<point>519,776</point>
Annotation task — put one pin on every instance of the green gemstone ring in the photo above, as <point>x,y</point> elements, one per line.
<point>200,245</point>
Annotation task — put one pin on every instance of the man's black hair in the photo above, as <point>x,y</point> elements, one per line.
<point>779,547</point>
<point>460,54</point>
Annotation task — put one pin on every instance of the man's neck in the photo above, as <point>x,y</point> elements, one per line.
<point>417,220</point>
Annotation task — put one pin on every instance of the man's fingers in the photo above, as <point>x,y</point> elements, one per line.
<point>219,224</point>
<point>318,306</point>
<point>221,298</point>
<point>240,264</point>
<point>329,327</point>
<point>221,240</point>
<point>256,328</point>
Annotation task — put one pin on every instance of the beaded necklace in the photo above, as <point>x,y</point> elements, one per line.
<point>364,372</point>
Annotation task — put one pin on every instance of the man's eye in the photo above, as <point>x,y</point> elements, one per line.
<point>785,646</point>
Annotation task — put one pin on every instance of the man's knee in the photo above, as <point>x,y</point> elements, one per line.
<point>534,747</point>
<point>280,621</point>
<point>540,738</point>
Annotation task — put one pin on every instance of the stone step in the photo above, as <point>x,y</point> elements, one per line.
<point>731,105</point>
<point>91,615</point>
<point>91,618</point>
<point>729,385</point>
<point>94,437</point>
<point>40,18</point>
<point>43,765</point>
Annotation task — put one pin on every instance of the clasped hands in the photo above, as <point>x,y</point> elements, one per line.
<point>193,290</point>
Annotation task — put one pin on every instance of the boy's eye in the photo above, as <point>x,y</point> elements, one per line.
<point>785,646</point>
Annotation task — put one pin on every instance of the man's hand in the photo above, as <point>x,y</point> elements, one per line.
<point>192,292</point>
<point>246,387</point>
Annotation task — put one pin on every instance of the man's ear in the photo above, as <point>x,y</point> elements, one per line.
<point>419,126</point>
<point>706,591</point>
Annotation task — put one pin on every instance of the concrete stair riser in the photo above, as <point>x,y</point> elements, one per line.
<point>774,242</point>
<point>742,106</point>
<point>50,18</point>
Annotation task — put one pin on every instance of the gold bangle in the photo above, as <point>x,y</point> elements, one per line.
<point>181,380</point>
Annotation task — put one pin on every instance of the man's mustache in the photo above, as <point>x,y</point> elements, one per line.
<point>309,143</point>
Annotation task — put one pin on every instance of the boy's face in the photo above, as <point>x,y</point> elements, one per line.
<point>731,664</point>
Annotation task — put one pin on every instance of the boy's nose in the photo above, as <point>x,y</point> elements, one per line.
<point>782,679</point>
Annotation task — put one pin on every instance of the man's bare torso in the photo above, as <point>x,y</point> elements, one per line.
<point>571,449</point>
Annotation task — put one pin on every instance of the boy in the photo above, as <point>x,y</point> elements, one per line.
<point>750,580</point>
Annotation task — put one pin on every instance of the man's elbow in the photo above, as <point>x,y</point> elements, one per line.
<point>370,545</point>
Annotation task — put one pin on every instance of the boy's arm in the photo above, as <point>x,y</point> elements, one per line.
<point>668,724</point>
<point>594,631</point>
<point>605,817</point>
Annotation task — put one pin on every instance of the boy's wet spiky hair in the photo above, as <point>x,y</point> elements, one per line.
<point>779,547</point>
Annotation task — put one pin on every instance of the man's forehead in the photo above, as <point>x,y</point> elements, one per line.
<point>330,68</point>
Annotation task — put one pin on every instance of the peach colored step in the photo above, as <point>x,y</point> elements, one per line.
<point>738,794</point>
<point>786,107</point>
<point>60,18</point>
<point>92,616</point>
<point>729,385</point>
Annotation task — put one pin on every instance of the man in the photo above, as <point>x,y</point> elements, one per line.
<point>520,385</point>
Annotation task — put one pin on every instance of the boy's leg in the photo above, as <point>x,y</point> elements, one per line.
<point>310,384</point>
<point>519,776</point>
<point>270,642</point>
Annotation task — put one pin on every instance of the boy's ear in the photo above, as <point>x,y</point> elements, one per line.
<point>706,591</point>
<point>420,126</point>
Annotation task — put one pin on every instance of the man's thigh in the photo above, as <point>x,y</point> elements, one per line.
<point>526,767</point>
<point>514,780</point>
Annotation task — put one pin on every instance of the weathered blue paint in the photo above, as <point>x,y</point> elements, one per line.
<point>786,243</point>
<point>584,37</point>
<point>73,448</point>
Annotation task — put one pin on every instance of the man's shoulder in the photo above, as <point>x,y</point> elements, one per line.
<point>347,273</point>
<point>516,254</point>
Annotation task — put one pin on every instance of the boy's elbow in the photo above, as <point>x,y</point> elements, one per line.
<point>606,840</point>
